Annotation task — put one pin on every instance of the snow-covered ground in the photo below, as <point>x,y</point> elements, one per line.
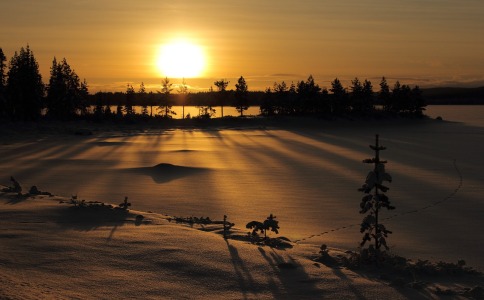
<point>307,176</point>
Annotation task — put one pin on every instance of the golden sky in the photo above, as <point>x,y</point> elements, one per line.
<point>111,43</point>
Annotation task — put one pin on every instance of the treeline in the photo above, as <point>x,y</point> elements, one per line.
<point>23,96</point>
<point>307,98</point>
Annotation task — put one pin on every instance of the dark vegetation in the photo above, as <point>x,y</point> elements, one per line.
<point>24,96</point>
<point>402,272</point>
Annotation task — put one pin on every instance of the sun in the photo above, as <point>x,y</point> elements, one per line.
<point>181,59</point>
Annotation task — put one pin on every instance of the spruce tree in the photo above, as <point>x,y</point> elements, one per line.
<point>165,100</point>
<point>373,200</point>
<point>222,87</point>
<point>3,83</point>
<point>25,89</point>
<point>241,96</point>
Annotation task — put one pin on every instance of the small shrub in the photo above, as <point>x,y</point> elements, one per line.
<point>125,204</point>
<point>262,227</point>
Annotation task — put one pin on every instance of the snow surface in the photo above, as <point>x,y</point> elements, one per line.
<point>307,176</point>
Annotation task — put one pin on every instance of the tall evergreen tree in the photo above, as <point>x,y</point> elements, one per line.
<point>3,83</point>
<point>384,95</point>
<point>308,93</point>
<point>3,69</point>
<point>267,107</point>
<point>340,98</point>
<point>222,91</point>
<point>165,100</point>
<point>241,96</point>
<point>373,200</point>
<point>356,95</point>
<point>183,91</point>
<point>130,95</point>
<point>66,95</point>
<point>98,109</point>
<point>142,98</point>
<point>417,101</point>
<point>367,96</point>
<point>25,89</point>
<point>281,99</point>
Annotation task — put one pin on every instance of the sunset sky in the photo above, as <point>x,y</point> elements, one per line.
<point>112,43</point>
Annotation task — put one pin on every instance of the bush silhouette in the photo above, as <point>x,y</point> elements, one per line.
<point>262,227</point>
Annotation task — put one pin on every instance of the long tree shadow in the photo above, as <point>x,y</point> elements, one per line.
<point>91,218</point>
<point>164,172</point>
<point>295,281</point>
<point>15,199</point>
<point>244,276</point>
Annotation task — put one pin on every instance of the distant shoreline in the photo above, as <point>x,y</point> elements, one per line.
<point>89,127</point>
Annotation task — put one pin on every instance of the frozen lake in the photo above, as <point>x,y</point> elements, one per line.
<point>308,178</point>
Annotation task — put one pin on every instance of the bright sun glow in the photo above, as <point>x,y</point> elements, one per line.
<point>181,59</point>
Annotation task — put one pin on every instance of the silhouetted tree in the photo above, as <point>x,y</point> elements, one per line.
<point>183,91</point>
<point>417,101</point>
<point>151,101</point>
<point>25,89</point>
<point>108,114</point>
<point>339,97</point>
<point>98,109</point>
<point>356,95</point>
<point>368,96</point>
<point>142,98</point>
<point>267,107</point>
<point>282,103</point>
<point>222,87</point>
<point>361,96</point>
<point>66,95</point>
<point>3,69</point>
<point>241,93</point>
<point>119,111</point>
<point>373,200</point>
<point>400,99</point>
<point>130,98</point>
<point>308,96</point>
<point>280,98</point>
<point>384,95</point>
<point>165,99</point>
<point>3,83</point>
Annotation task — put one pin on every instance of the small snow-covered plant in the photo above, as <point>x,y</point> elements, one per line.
<point>262,227</point>
<point>373,200</point>
<point>125,204</point>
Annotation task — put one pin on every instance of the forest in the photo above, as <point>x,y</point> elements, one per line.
<point>24,96</point>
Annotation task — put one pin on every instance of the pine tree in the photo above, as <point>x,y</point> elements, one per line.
<point>165,100</point>
<point>130,95</point>
<point>66,95</point>
<point>142,98</point>
<point>3,83</point>
<point>340,97</point>
<point>373,200</point>
<point>222,87</point>
<point>241,96</point>
<point>183,91</point>
<point>25,89</point>
<point>384,95</point>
